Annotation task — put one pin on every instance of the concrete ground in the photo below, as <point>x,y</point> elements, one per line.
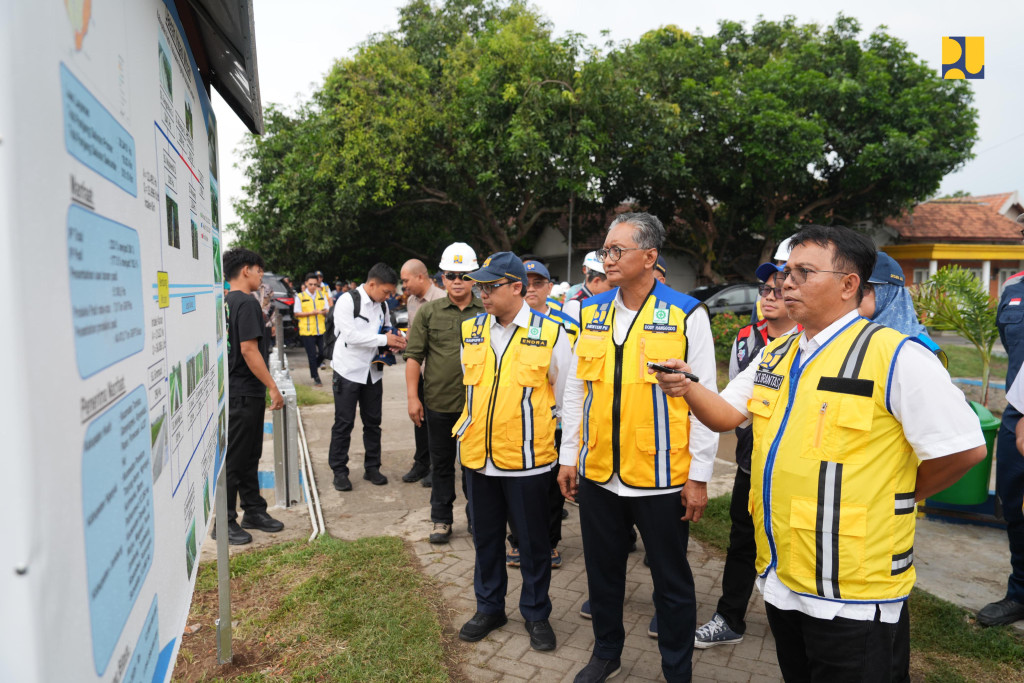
<point>964,564</point>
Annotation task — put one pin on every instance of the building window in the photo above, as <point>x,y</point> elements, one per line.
<point>920,275</point>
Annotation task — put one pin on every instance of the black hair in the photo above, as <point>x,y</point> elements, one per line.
<point>309,276</point>
<point>238,258</point>
<point>852,252</point>
<point>593,275</point>
<point>383,273</point>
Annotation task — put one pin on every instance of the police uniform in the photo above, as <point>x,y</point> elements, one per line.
<point>311,327</point>
<point>514,378</point>
<point>634,448</point>
<point>840,423</point>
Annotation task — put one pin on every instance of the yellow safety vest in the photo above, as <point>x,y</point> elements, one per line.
<point>833,477</point>
<point>509,413</point>
<point>629,426</point>
<point>312,324</point>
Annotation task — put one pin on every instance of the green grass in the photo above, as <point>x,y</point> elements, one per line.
<point>328,610</point>
<point>964,361</point>
<point>947,645</point>
<point>311,396</point>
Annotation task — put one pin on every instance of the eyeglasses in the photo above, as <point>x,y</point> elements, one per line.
<point>800,274</point>
<point>489,287</point>
<point>615,253</point>
<point>764,289</point>
<point>452,277</point>
<point>538,283</point>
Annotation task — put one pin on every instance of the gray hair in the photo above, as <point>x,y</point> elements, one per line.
<point>648,232</point>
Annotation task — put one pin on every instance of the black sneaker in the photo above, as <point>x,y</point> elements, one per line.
<point>375,477</point>
<point>480,625</point>
<point>1006,611</point>
<point>542,637</point>
<point>261,521</point>
<point>341,483</point>
<point>415,474</point>
<point>236,534</point>
<point>427,481</point>
<point>598,670</point>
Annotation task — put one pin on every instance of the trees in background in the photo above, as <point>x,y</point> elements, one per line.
<point>473,122</point>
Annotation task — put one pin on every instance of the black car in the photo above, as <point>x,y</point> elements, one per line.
<point>739,298</point>
<point>284,300</point>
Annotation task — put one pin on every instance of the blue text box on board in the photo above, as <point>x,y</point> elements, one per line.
<point>188,304</point>
<point>117,509</point>
<point>93,136</point>
<point>106,290</point>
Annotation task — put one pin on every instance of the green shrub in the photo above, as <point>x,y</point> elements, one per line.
<point>724,328</point>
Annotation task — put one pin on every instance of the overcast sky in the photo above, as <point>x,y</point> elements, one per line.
<point>297,41</point>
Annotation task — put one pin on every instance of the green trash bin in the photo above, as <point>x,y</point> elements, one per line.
<point>972,489</point>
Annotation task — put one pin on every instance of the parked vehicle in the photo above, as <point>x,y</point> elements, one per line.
<point>738,298</point>
<point>284,300</point>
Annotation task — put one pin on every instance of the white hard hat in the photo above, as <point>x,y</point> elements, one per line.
<point>591,262</point>
<point>782,253</point>
<point>458,257</point>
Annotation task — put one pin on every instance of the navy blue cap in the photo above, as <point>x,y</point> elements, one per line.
<point>537,268</point>
<point>499,265</point>
<point>661,266</point>
<point>767,270</point>
<point>887,271</point>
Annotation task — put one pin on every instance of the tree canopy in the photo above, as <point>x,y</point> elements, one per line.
<point>472,121</point>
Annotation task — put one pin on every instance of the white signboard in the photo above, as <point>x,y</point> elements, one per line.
<point>113,337</point>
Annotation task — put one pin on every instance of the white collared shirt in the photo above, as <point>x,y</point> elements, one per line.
<point>937,421</point>
<point>700,350</point>
<point>358,338</point>
<point>557,373</point>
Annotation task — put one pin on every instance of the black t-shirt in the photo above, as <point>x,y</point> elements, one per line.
<point>245,322</point>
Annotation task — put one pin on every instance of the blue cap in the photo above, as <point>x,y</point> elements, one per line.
<point>536,268</point>
<point>887,271</point>
<point>497,266</point>
<point>767,270</point>
<point>661,266</point>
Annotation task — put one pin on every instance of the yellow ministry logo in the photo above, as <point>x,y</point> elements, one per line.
<point>458,258</point>
<point>963,57</point>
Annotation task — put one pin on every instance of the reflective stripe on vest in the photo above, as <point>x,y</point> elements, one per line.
<point>833,477</point>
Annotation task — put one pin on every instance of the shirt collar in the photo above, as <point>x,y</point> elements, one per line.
<point>809,346</point>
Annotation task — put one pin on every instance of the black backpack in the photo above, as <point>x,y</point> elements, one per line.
<point>330,334</point>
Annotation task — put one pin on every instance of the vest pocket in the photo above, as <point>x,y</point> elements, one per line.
<point>840,430</point>
<point>474,358</point>
<point>649,440</point>
<point>532,368</point>
<point>590,351</point>
<point>657,349</point>
<point>827,545</point>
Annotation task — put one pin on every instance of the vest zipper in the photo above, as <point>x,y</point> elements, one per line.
<point>616,403</point>
<point>821,425</point>
<point>492,402</point>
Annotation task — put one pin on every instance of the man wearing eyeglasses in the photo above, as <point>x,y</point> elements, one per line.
<point>516,362</point>
<point>631,453</point>
<point>434,341</point>
<point>852,424</point>
<point>727,626</point>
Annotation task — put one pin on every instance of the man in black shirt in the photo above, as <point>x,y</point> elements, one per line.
<point>248,380</point>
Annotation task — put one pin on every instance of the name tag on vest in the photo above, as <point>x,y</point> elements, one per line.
<point>659,328</point>
<point>767,379</point>
<point>533,342</point>
<point>595,327</point>
<point>473,340</point>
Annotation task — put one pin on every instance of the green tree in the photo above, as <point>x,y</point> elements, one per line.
<point>953,299</point>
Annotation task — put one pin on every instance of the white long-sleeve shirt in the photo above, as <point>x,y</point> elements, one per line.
<point>703,442</point>
<point>358,338</point>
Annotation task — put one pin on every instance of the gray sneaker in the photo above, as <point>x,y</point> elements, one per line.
<point>441,533</point>
<point>715,632</point>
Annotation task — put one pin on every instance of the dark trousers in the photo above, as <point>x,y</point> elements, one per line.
<point>840,650</point>
<point>1010,488</point>
<point>605,521</point>
<point>494,501</point>
<point>421,458</point>
<point>314,344</point>
<point>347,395</point>
<point>739,575</point>
<point>245,446</point>
<point>443,448</point>
<point>555,502</point>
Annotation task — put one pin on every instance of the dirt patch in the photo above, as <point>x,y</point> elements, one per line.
<point>930,666</point>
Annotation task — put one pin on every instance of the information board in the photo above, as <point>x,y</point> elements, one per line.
<point>113,342</point>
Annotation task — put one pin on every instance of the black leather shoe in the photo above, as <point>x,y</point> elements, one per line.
<point>1006,611</point>
<point>236,534</point>
<point>415,474</point>
<point>480,625</point>
<point>542,637</point>
<point>262,522</point>
<point>427,481</point>
<point>341,483</point>
<point>598,670</point>
<point>375,477</point>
